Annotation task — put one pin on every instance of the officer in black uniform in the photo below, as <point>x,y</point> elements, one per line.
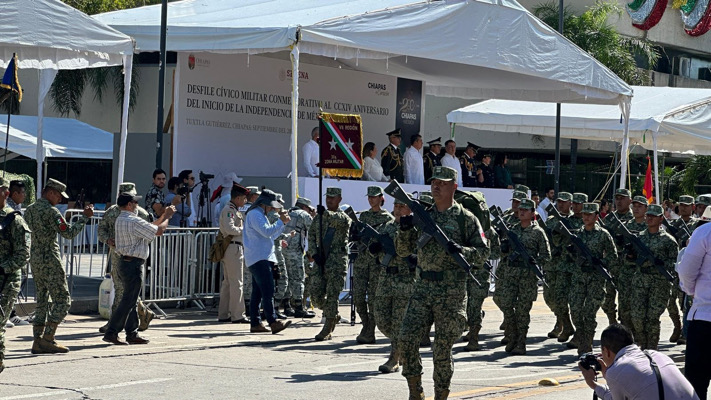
<point>391,157</point>
<point>432,158</point>
<point>468,163</point>
<point>485,172</point>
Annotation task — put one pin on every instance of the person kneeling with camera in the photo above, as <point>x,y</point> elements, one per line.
<point>632,373</point>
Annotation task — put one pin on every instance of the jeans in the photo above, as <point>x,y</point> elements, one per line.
<point>125,316</point>
<point>262,290</point>
<point>698,352</point>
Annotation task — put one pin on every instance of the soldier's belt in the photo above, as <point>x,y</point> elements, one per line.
<point>437,276</point>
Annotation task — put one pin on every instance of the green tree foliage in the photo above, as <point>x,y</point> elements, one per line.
<point>694,177</point>
<point>591,32</point>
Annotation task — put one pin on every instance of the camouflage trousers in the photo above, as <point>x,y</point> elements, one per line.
<point>281,285</point>
<point>676,301</point>
<point>586,296</point>
<point>624,297</point>
<point>118,286</point>
<point>50,282</point>
<point>247,279</point>
<point>650,296</point>
<point>502,274</point>
<point>325,287</point>
<point>476,296</point>
<point>517,293</point>
<point>557,293</point>
<point>295,272</point>
<point>441,302</point>
<point>366,273</point>
<point>9,294</point>
<point>390,305</point>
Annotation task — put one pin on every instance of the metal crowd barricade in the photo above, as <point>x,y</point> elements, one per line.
<point>84,255</point>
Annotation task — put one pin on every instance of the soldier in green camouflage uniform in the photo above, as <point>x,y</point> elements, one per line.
<point>46,222</point>
<point>520,288</point>
<point>14,254</point>
<point>623,198</point>
<point>650,293</point>
<point>559,271</point>
<point>476,294</point>
<point>329,275</point>
<point>440,293</point>
<point>366,271</point>
<point>629,267</point>
<point>301,217</point>
<point>282,282</point>
<point>395,287</point>
<point>106,234</point>
<point>588,285</point>
<point>676,300</point>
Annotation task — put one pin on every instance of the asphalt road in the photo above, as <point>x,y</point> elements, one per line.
<point>191,356</point>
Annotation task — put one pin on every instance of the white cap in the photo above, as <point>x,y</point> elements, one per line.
<point>230,179</point>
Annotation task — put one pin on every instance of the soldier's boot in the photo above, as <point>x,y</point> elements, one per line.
<point>574,342</point>
<point>367,335</point>
<point>426,341</point>
<point>557,329</point>
<point>473,344</point>
<point>288,309</point>
<point>328,327</point>
<point>47,342</point>
<point>677,330</point>
<point>2,366</point>
<point>414,384</point>
<point>584,343</point>
<point>513,340</point>
<point>393,363</point>
<point>508,331</point>
<point>364,328</point>
<point>520,347</point>
<point>441,394</point>
<point>568,329</point>
<point>611,317</point>
<point>277,313</point>
<point>300,311</point>
<point>468,335</point>
<point>38,331</point>
<point>246,307</point>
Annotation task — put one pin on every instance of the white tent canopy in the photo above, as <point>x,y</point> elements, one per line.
<point>63,137</point>
<point>49,35</point>
<point>459,48</point>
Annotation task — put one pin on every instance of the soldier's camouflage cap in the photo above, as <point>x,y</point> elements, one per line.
<point>685,199</point>
<point>564,196</point>
<point>3,182</point>
<point>522,188</point>
<point>444,174</point>
<point>655,209</point>
<point>704,199</point>
<point>517,195</point>
<point>374,191</point>
<point>591,208</point>
<point>128,187</point>
<point>623,192</point>
<point>303,201</point>
<point>640,199</point>
<point>527,204</point>
<point>58,186</point>
<point>333,192</point>
<point>580,198</point>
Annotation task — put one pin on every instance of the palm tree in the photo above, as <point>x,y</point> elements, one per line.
<point>591,32</point>
<point>696,172</point>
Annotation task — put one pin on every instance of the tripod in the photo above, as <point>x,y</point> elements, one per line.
<point>204,219</point>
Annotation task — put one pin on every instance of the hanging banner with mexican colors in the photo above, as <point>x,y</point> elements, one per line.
<point>341,145</point>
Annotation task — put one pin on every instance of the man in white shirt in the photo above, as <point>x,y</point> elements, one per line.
<point>414,164</point>
<point>450,159</point>
<point>550,194</point>
<point>310,151</point>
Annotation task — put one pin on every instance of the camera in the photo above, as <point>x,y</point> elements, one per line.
<point>589,360</point>
<point>184,189</point>
<point>205,177</point>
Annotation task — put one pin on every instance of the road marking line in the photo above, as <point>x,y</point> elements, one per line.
<point>540,391</point>
<point>102,387</point>
<point>508,386</point>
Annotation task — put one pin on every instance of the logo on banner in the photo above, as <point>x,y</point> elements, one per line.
<point>197,62</point>
<point>381,89</point>
<point>341,144</point>
<point>191,61</point>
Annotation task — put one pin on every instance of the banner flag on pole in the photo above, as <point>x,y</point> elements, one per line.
<point>648,189</point>
<point>10,80</point>
<point>341,144</point>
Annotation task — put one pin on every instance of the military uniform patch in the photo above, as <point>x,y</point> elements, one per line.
<point>62,224</point>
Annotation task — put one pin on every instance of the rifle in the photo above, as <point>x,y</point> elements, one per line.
<point>644,253</point>
<point>423,219</point>
<point>352,254</point>
<point>584,251</point>
<point>519,248</point>
<point>80,200</point>
<point>368,232</point>
<point>682,235</point>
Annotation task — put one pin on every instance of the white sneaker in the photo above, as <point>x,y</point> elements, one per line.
<point>18,321</point>
<point>9,324</point>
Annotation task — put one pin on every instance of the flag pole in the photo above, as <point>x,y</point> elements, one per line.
<point>8,96</point>
<point>7,138</point>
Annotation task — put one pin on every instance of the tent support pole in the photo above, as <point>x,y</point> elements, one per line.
<point>295,120</point>
<point>573,162</point>
<point>127,70</point>
<point>656,169</point>
<point>161,84</point>
<point>625,107</point>
<point>46,78</point>
<point>614,171</point>
<point>556,185</point>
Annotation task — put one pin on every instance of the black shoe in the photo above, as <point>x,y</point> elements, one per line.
<point>241,321</point>
<point>224,319</point>
<point>135,339</point>
<point>279,315</point>
<point>104,328</point>
<point>113,339</point>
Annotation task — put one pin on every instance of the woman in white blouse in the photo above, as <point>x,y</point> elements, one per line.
<point>372,170</point>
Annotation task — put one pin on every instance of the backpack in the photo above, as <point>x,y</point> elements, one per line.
<point>218,249</point>
<point>476,203</point>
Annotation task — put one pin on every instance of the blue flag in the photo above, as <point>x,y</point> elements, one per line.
<point>10,80</point>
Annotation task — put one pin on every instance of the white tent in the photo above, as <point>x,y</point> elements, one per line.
<point>676,120</point>
<point>460,48</point>
<point>63,137</point>
<point>49,35</point>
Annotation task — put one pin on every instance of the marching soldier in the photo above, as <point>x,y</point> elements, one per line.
<point>281,280</point>
<point>468,165</point>
<point>686,221</point>
<point>107,234</point>
<point>440,293</point>
<point>576,220</point>
<point>476,294</point>
<point>391,157</point>
<point>588,285</point>
<point>520,288</point>
<point>14,253</point>
<point>623,199</point>
<point>330,261</point>
<point>301,218</point>
<point>432,158</point>
<point>366,271</point>
<point>651,290</point>
<point>46,222</point>
<point>625,274</point>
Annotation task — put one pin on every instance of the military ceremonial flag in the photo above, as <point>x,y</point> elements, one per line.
<point>10,80</point>
<point>341,145</point>
<point>648,189</point>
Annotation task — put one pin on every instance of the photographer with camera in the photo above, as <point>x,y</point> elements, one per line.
<point>632,373</point>
<point>177,194</point>
<point>188,179</point>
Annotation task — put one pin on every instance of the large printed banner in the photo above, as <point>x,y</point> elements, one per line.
<point>233,111</point>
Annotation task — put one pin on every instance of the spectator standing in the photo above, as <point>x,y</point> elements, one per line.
<point>432,158</point>
<point>485,172</point>
<point>391,158</point>
<point>414,165</point>
<point>231,292</point>
<point>502,173</point>
<point>17,195</point>
<point>468,165</point>
<point>155,198</point>
<point>180,218</point>
<point>188,179</point>
<point>449,159</point>
<point>310,151</point>
<point>372,170</point>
